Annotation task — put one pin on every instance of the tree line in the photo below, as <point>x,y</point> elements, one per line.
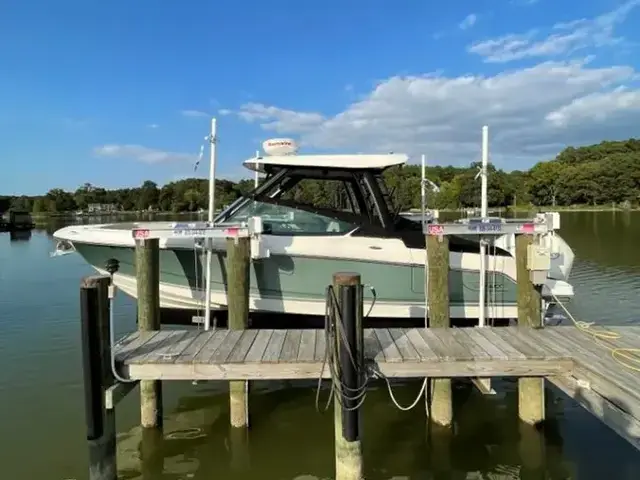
<point>602,174</point>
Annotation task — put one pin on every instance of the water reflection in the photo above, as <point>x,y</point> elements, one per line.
<point>606,238</point>
<point>20,235</point>
<point>290,440</point>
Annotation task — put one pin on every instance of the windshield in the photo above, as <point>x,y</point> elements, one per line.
<point>286,220</point>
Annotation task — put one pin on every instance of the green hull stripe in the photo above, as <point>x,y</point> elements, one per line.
<point>302,278</point>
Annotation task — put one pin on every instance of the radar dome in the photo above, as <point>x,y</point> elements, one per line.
<point>280,146</point>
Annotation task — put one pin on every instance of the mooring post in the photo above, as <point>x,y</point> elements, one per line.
<point>438,397</point>
<point>101,423</point>
<point>347,315</point>
<point>530,390</point>
<point>147,258</point>
<point>238,268</point>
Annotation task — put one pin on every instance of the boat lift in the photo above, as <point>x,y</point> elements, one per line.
<point>207,232</point>
<point>486,227</point>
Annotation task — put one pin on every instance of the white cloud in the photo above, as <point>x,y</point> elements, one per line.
<point>225,111</point>
<point>194,113</point>
<point>153,126</point>
<point>468,22</point>
<point>532,113</point>
<point>142,154</point>
<point>597,107</point>
<point>564,38</point>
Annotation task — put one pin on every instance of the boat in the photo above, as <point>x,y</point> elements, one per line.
<point>307,244</point>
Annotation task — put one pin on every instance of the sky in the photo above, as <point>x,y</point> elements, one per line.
<point>117,92</point>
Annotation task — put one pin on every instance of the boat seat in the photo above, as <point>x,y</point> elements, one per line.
<point>333,226</point>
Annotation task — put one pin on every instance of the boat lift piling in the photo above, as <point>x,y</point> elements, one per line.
<point>238,263</point>
<point>147,263</point>
<point>438,398</point>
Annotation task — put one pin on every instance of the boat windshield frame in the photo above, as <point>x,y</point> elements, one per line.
<point>368,203</point>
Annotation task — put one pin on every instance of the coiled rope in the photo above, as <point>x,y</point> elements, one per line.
<point>334,328</point>
<point>624,356</point>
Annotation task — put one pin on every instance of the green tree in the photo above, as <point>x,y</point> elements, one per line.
<point>39,205</point>
<point>605,173</point>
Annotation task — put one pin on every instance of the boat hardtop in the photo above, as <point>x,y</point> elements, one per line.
<point>267,163</point>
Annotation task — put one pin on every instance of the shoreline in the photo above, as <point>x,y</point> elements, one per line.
<point>518,209</point>
<point>524,208</point>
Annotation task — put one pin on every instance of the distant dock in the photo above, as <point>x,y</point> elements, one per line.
<point>16,221</point>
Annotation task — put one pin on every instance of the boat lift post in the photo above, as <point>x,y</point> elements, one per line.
<point>210,215</point>
<point>483,384</point>
<point>484,227</point>
<point>483,214</point>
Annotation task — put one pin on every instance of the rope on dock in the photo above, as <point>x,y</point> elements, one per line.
<point>366,372</point>
<point>331,359</point>
<point>624,356</point>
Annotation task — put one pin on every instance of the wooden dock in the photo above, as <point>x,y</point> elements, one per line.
<point>299,354</point>
<point>583,366</point>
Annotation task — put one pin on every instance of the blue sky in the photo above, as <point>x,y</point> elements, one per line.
<point>117,92</point>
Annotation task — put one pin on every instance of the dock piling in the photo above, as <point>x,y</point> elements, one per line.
<point>530,389</point>
<point>439,406</point>
<point>238,265</point>
<point>347,288</point>
<point>101,428</point>
<point>147,260</point>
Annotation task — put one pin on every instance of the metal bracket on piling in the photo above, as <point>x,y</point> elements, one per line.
<point>542,223</point>
<point>485,227</point>
<point>208,231</point>
<point>117,392</point>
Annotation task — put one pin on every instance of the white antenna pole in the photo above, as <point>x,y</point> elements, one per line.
<point>483,214</point>
<point>483,171</point>
<point>212,170</point>
<point>212,204</point>
<point>256,175</point>
<point>423,201</point>
<point>423,187</point>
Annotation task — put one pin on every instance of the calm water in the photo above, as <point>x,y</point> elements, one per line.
<point>42,417</point>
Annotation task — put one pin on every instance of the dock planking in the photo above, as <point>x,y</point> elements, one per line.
<point>398,352</point>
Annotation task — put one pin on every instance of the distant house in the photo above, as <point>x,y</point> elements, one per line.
<point>102,208</point>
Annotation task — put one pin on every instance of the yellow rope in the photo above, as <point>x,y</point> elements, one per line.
<point>627,357</point>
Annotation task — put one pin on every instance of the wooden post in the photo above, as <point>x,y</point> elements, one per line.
<point>151,454</point>
<point>531,447</point>
<point>530,390</point>
<point>347,288</point>
<point>101,423</point>
<point>438,396</point>
<point>148,286</point>
<point>238,264</point>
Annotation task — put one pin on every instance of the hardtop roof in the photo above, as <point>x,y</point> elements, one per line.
<point>342,161</point>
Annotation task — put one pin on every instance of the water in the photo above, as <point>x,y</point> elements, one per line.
<point>42,416</point>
